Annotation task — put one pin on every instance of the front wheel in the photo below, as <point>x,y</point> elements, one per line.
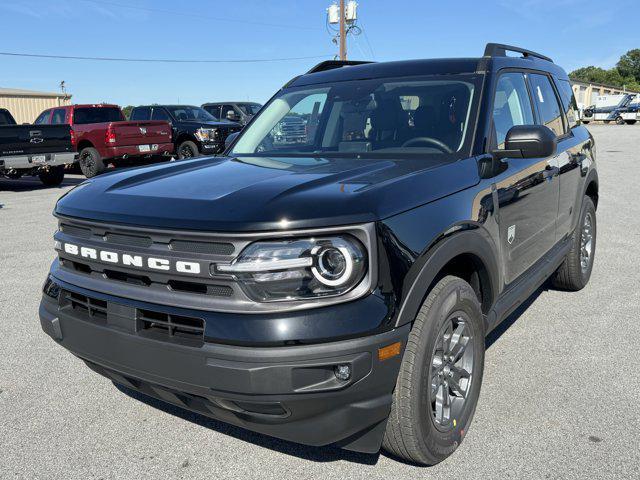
<point>440,376</point>
<point>187,149</point>
<point>575,271</point>
<point>53,176</point>
<point>619,121</point>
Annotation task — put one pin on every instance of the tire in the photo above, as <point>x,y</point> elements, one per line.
<point>52,177</point>
<point>91,162</point>
<point>413,432</point>
<point>586,122</point>
<point>630,122</point>
<point>619,121</point>
<point>187,149</point>
<point>573,275</point>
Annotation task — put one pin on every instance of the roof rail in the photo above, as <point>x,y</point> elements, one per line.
<point>332,64</point>
<point>500,50</point>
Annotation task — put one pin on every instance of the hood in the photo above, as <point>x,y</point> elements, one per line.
<point>257,193</point>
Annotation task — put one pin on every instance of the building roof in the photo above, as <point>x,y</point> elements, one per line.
<point>30,93</point>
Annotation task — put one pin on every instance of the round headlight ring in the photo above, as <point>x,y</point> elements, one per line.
<point>320,270</point>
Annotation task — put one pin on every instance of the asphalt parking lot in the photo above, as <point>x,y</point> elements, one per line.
<point>560,397</point>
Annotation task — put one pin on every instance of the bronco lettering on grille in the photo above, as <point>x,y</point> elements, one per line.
<point>129,260</point>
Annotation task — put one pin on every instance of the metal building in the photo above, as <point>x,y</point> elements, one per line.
<point>26,105</point>
<point>586,93</point>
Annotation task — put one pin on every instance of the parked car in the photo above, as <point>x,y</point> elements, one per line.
<point>337,291</point>
<point>29,150</point>
<point>240,112</point>
<point>194,131</point>
<point>607,112</point>
<point>101,135</point>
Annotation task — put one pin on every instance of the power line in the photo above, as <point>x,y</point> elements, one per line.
<point>158,60</point>
<point>194,15</point>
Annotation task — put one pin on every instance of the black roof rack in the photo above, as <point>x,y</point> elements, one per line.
<point>332,64</point>
<point>500,50</point>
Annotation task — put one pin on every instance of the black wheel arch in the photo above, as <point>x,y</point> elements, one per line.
<point>591,186</point>
<point>469,253</point>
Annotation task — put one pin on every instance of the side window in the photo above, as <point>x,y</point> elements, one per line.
<point>43,118</point>
<point>511,105</point>
<point>545,98</point>
<point>59,115</point>
<point>226,109</point>
<point>568,102</point>
<point>140,113</point>
<point>159,114</point>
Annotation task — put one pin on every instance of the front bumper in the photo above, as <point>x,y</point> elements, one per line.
<point>23,162</point>
<point>134,150</point>
<point>289,392</point>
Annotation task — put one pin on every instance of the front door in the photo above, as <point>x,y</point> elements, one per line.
<point>527,189</point>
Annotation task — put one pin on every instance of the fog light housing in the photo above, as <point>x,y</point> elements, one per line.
<point>342,372</point>
<point>51,289</point>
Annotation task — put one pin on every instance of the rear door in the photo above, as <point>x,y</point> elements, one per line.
<point>528,188</point>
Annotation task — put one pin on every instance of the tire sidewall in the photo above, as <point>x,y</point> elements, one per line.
<point>96,168</point>
<point>457,297</point>
<point>587,206</point>
<point>192,146</point>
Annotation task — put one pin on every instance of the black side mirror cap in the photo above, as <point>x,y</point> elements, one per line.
<point>528,141</point>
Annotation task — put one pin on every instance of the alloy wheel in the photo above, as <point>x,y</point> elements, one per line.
<point>586,242</point>
<point>451,371</point>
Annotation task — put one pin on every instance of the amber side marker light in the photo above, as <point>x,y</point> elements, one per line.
<point>389,351</point>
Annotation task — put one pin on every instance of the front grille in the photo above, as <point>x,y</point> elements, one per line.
<point>129,240</point>
<point>93,307</point>
<point>164,326</point>
<point>210,248</point>
<point>75,231</point>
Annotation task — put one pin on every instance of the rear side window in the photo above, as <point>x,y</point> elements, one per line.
<point>545,98</point>
<point>97,115</point>
<point>568,102</point>
<point>511,105</point>
<point>59,115</point>
<point>43,118</point>
<point>140,113</point>
<point>5,118</point>
<point>160,114</point>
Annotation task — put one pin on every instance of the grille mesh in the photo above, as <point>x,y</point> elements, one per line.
<point>212,248</point>
<point>129,240</point>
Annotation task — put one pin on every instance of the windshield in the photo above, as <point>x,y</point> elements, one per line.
<point>185,114</point>
<point>250,108</point>
<point>427,115</point>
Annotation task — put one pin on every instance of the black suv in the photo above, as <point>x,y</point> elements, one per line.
<point>241,112</point>
<point>337,290</point>
<point>194,131</point>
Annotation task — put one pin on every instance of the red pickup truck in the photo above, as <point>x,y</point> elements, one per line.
<point>101,135</point>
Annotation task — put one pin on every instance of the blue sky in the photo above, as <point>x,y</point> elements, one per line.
<point>573,32</point>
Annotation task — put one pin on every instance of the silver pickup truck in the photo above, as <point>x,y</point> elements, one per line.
<point>41,150</point>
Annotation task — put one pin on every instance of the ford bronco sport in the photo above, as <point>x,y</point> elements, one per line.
<point>337,290</point>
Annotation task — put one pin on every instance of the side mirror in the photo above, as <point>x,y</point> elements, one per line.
<point>528,141</point>
<point>232,116</point>
<point>229,140</point>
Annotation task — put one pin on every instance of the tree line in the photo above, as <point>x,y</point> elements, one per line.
<point>626,73</point>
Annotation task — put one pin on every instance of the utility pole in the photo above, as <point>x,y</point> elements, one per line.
<point>343,32</point>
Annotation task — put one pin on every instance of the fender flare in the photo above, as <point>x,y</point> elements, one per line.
<point>476,242</point>
<point>592,176</point>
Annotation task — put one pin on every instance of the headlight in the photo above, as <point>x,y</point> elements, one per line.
<point>299,268</point>
<point>206,134</point>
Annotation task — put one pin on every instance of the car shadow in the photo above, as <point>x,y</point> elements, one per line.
<point>315,454</point>
<point>28,184</point>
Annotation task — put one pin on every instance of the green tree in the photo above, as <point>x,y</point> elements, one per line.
<point>127,111</point>
<point>629,64</point>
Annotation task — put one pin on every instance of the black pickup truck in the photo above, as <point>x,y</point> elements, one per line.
<point>337,290</point>
<point>41,150</point>
<point>195,131</point>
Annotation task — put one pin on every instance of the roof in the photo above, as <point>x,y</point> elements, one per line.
<point>440,66</point>
<point>31,93</point>
<point>243,102</point>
